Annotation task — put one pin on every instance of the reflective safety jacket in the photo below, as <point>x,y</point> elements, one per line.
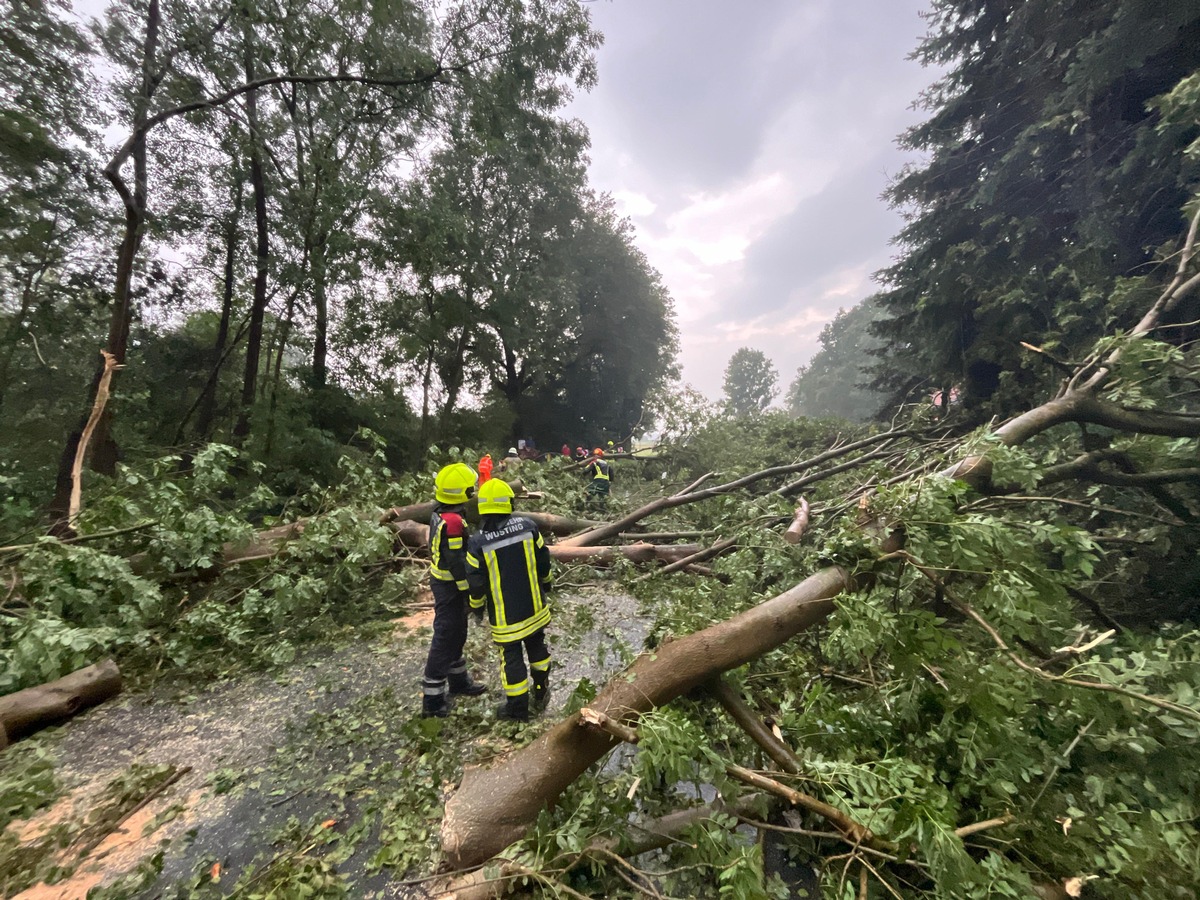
<point>447,546</point>
<point>601,474</point>
<point>508,569</point>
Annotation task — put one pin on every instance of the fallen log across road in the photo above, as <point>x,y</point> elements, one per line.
<point>47,704</point>
<point>415,535</point>
<point>494,807</point>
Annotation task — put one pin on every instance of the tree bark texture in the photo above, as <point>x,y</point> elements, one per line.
<point>648,835</point>
<point>638,553</point>
<point>262,247</point>
<point>795,531</point>
<point>208,402</point>
<point>494,807</point>
<point>320,366</point>
<point>101,402</point>
<point>27,711</point>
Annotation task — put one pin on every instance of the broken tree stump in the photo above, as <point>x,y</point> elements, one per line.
<point>34,708</point>
<point>494,807</point>
<point>799,524</point>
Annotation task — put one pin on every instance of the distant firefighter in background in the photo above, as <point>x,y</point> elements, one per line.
<point>600,474</point>
<point>511,464</point>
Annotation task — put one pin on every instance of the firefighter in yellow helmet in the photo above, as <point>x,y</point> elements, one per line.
<point>508,569</point>
<point>446,668</point>
<point>599,473</point>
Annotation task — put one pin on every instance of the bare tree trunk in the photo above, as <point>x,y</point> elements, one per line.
<point>492,808</point>
<point>452,378</point>
<point>262,251</point>
<point>426,386</point>
<point>34,708</point>
<point>105,452</point>
<point>208,403</point>
<point>320,369</point>
<point>285,331</point>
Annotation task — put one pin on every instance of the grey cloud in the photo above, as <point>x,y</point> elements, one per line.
<point>842,226</point>
<point>699,96</point>
<point>689,88</point>
<point>679,86</point>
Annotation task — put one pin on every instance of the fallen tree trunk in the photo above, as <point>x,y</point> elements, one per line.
<point>690,561</point>
<point>264,545</point>
<point>643,837</point>
<point>795,531</point>
<point>660,536</point>
<point>415,535</point>
<point>548,522</point>
<point>494,807</point>
<point>34,708</point>
<point>638,553</point>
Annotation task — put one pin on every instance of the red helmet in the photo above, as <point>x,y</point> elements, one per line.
<point>597,452</point>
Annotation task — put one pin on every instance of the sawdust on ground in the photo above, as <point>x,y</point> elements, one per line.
<point>238,724</point>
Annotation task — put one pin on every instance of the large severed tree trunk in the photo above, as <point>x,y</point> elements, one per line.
<point>495,807</point>
<point>645,836</point>
<point>34,708</point>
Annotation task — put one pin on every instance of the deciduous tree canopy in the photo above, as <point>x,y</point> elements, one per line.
<point>751,382</point>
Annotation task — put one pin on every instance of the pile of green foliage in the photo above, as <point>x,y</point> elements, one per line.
<point>144,580</point>
<point>907,714</point>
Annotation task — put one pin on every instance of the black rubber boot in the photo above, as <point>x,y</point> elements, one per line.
<point>515,709</point>
<point>438,705</point>
<point>462,685</point>
<point>541,690</point>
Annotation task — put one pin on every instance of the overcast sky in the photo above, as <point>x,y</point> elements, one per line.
<point>750,143</point>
